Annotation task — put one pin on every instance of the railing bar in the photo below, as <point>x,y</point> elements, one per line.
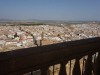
<point>53,69</point>
<point>94,58</point>
<point>31,73</point>
<point>83,66</point>
<point>70,67</point>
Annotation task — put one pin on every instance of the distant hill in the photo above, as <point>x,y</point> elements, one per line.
<point>45,21</point>
<point>32,20</point>
<point>4,19</point>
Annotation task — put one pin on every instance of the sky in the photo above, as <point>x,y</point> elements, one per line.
<point>67,10</point>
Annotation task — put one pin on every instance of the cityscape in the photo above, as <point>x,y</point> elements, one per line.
<point>49,37</point>
<point>18,36</point>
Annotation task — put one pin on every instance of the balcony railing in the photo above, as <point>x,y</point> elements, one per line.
<point>18,62</point>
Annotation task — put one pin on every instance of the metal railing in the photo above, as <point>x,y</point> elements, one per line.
<point>18,62</point>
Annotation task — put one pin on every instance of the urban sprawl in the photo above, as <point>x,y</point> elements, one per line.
<point>18,36</point>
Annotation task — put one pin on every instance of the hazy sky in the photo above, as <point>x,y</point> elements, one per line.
<point>50,9</point>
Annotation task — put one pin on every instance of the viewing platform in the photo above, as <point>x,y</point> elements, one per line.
<point>29,60</point>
